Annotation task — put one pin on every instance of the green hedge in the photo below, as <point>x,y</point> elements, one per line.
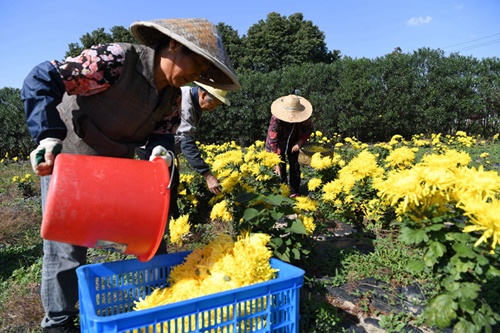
<point>371,99</point>
<point>15,139</point>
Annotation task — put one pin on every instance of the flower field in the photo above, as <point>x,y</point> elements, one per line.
<point>440,195</point>
<point>429,207</point>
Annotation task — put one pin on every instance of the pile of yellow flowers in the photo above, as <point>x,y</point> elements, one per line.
<point>222,265</point>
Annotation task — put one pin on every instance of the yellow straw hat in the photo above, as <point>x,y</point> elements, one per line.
<point>217,93</point>
<point>292,109</point>
<point>200,36</point>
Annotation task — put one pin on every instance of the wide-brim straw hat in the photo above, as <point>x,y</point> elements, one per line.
<point>201,37</point>
<point>217,93</point>
<point>292,109</point>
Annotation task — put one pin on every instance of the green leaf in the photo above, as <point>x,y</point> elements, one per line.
<point>484,318</point>
<point>463,250</point>
<point>250,214</point>
<point>275,215</point>
<point>296,254</point>
<point>276,199</point>
<point>469,290</point>
<point>413,236</point>
<point>435,227</point>
<point>464,326</point>
<point>246,197</point>
<point>285,255</point>
<point>460,265</point>
<point>482,260</point>
<point>434,252</point>
<point>450,284</point>
<point>276,242</point>
<point>415,266</point>
<point>441,310</point>
<point>493,271</point>
<point>461,237</point>
<point>468,305</point>
<point>437,249</point>
<point>297,227</point>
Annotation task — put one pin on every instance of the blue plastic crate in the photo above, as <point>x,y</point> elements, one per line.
<point>107,293</point>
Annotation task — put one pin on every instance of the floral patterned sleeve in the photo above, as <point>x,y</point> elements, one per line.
<point>93,71</point>
<point>272,136</point>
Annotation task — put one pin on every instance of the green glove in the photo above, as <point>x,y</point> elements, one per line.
<point>48,145</point>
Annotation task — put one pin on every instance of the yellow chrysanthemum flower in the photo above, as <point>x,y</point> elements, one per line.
<point>450,159</point>
<point>476,183</point>
<point>309,224</point>
<point>484,155</point>
<point>395,139</point>
<point>320,163</point>
<point>362,166</point>
<point>219,210</point>
<point>284,190</point>
<point>259,144</point>
<point>268,159</point>
<point>230,182</point>
<point>401,158</point>
<point>331,190</point>
<point>232,157</point>
<point>178,228</point>
<point>305,203</point>
<point>313,184</point>
<point>485,218</point>
<point>186,178</point>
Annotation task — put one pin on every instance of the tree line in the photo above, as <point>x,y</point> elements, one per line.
<point>371,99</point>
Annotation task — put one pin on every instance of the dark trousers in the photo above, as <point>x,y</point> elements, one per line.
<point>293,161</point>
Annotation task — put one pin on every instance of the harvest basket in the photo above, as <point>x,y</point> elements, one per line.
<point>107,293</point>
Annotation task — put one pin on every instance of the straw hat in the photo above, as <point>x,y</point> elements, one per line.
<point>217,93</point>
<point>201,37</point>
<point>292,109</point>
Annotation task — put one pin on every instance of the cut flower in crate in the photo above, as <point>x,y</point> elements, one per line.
<point>221,265</point>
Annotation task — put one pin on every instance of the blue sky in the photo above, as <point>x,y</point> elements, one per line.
<point>34,31</point>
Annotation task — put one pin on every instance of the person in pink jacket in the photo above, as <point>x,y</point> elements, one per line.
<point>289,129</point>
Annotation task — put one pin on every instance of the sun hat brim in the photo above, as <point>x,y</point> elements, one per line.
<point>282,111</point>
<point>214,92</point>
<point>200,36</point>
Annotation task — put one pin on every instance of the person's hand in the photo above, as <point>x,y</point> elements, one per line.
<point>212,183</point>
<point>42,158</point>
<point>295,148</point>
<point>162,152</point>
<point>277,170</point>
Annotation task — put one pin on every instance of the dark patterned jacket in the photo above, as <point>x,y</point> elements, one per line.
<point>103,102</point>
<point>282,135</point>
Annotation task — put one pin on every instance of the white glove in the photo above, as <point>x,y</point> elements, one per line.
<point>45,152</point>
<point>162,152</point>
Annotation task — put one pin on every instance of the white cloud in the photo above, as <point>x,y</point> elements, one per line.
<point>419,20</point>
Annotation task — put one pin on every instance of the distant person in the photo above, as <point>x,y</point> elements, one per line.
<point>289,129</point>
<point>178,130</point>
<point>106,102</point>
<point>195,101</point>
